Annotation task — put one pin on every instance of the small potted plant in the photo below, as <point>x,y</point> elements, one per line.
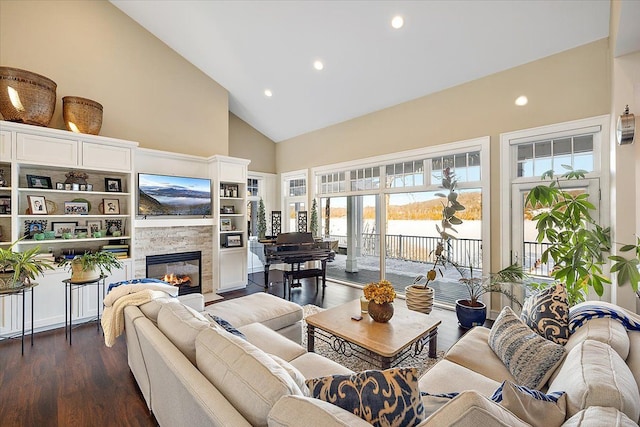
<point>91,265</point>
<point>380,295</point>
<point>472,311</point>
<point>18,269</point>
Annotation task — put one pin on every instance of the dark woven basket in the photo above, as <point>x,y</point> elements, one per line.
<point>26,97</point>
<point>81,115</point>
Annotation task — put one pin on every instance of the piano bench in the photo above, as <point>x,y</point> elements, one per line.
<point>290,276</point>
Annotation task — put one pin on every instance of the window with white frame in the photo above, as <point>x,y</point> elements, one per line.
<point>526,156</point>
<point>295,200</point>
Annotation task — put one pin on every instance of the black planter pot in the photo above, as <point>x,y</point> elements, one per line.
<point>470,316</point>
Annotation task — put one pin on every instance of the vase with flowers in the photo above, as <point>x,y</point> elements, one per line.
<point>380,295</point>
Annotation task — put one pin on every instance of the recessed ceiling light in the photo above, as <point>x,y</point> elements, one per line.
<point>521,101</point>
<point>268,93</point>
<point>318,65</point>
<point>397,22</point>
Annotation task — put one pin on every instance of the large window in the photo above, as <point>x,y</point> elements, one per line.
<point>382,216</point>
<point>295,201</point>
<point>527,155</point>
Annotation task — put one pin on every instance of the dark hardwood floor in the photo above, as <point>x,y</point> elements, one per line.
<point>89,384</point>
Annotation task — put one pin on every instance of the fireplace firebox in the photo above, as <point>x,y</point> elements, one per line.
<point>180,269</point>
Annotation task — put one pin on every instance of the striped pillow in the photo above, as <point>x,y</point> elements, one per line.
<point>532,406</point>
<point>530,358</point>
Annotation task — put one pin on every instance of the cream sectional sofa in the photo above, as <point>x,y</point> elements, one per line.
<point>191,373</point>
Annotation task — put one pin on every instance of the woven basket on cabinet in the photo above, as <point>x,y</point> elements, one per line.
<point>26,97</point>
<point>81,115</point>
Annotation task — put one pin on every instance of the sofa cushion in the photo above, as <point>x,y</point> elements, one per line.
<point>182,324</point>
<point>382,398</point>
<point>312,365</point>
<point>599,416</point>
<point>547,313</point>
<point>471,409</point>
<point>532,406</point>
<point>270,341</point>
<point>633,360</point>
<point>297,376</point>
<point>595,375</point>
<point>432,402</point>
<point>530,358</point>
<point>447,377</point>
<point>152,308</point>
<point>606,330</point>
<point>296,411</point>
<point>473,352</point>
<point>247,376</point>
<point>273,312</point>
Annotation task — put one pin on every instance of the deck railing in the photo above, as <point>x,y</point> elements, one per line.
<point>464,252</point>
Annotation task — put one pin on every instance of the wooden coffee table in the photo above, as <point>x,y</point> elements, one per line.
<point>382,344</point>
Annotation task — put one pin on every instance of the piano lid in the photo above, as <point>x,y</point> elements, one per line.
<point>294,238</point>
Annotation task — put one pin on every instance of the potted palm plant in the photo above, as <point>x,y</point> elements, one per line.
<point>472,311</point>
<point>91,265</point>
<point>18,269</point>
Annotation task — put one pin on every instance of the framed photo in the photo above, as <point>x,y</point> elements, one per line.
<point>113,185</point>
<point>111,206</point>
<point>5,205</point>
<point>228,210</point>
<point>59,185</point>
<point>93,226</point>
<point>83,187</point>
<point>76,208</point>
<point>67,186</point>
<point>233,240</point>
<point>37,181</point>
<point>37,205</point>
<point>89,187</point>
<point>81,229</point>
<point>114,225</point>
<point>64,227</point>
<point>225,224</point>
<point>32,227</point>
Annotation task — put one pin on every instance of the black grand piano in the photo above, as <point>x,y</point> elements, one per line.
<point>296,249</point>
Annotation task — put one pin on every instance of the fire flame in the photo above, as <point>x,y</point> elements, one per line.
<point>176,280</point>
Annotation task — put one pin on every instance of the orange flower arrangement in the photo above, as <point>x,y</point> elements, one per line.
<point>380,292</point>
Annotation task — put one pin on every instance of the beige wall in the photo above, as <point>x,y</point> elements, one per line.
<point>571,85</point>
<point>91,49</point>
<point>247,143</point>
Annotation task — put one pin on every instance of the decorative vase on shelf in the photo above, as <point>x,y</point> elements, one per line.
<point>380,312</point>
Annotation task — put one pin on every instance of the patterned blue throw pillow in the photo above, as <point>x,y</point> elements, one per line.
<point>382,398</point>
<point>226,326</point>
<point>532,406</point>
<point>547,313</point>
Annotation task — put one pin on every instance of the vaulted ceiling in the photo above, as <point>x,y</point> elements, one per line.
<point>253,46</point>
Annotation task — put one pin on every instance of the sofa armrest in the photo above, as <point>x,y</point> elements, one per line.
<point>195,301</point>
<point>292,411</point>
<point>471,409</point>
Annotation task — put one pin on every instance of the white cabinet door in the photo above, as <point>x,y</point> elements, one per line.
<point>233,172</point>
<point>48,150</point>
<point>49,300</point>
<point>5,146</point>
<point>233,269</point>
<point>106,157</point>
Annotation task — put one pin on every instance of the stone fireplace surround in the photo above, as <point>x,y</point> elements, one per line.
<point>164,240</point>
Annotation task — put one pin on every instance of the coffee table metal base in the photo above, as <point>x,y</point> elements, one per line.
<point>349,349</point>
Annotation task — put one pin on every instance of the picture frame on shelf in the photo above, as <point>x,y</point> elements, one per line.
<point>59,185</point>
<point>76,208</point>
<point>113,225</point>
<point>233,240</point>
<point>68,186</point>
<point>89,187</point>
<point>38,181</point>
<point>113,185</point>
<point>83,187</point>
<point>64,227</point>
<point>111,206</point>
<point>225,224</point>
<point>5,205</point>
<point>81,232</point>
<point>34,226</point>
<point>228,210</point>
<point>93,226</point>
<point>37,205</point>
